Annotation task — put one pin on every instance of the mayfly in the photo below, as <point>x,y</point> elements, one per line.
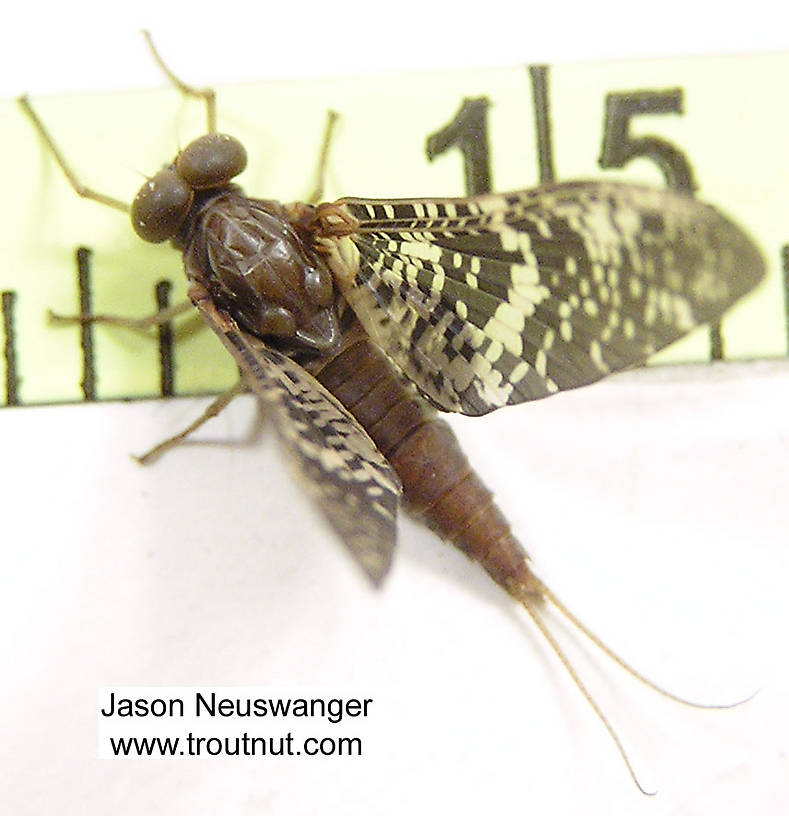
<point>355,320</point>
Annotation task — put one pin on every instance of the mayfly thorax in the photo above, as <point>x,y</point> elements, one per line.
<point>357,320</point>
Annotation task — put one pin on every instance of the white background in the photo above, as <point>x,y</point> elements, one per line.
<point>90,45</point>
<point>657,509</point>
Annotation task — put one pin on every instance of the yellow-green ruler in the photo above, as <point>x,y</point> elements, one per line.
<point>713,125</point>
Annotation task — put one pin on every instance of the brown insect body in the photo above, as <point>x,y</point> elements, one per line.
<point>253,263</point>
<point>439,486</point>
<point>260,265</point>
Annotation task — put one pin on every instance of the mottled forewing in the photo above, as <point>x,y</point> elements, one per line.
<point>353,483</point>
<point>498,299</point>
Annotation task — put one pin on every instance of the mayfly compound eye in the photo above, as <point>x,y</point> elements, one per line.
<point>160,207</point>
<point>211,160</point>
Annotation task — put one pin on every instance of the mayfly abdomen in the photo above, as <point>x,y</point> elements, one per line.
<point>454,502</point>
<point>439,485</point>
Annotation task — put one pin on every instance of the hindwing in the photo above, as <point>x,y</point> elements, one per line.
<point>353,483</point>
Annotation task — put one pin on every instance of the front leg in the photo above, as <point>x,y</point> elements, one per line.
<point>158,318</point>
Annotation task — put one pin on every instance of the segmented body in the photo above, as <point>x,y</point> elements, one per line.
<point>439,485</point>
<point>225,241</point>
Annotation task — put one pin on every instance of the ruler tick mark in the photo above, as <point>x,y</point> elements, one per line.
<point>9,349</point>
<point>88,383</point>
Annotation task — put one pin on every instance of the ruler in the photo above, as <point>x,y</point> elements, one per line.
<point>703,123</point>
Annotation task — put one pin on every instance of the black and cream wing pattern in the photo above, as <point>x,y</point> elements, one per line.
<point>353,484</point>
<point>502,298</point>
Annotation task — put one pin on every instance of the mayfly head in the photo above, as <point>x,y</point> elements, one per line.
<point>160,208</point>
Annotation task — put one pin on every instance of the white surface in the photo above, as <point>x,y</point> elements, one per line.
<point>655,508</point>
<point>658,512</point>
<point>92,45</point>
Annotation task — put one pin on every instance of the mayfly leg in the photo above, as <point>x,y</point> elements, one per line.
<point>79,188</point>
<point>82,190</point>
<point>164,315</point>
<point>156,319</point>
<point>208,95</point>
<point>323,158</point>
<point>214,409</point>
